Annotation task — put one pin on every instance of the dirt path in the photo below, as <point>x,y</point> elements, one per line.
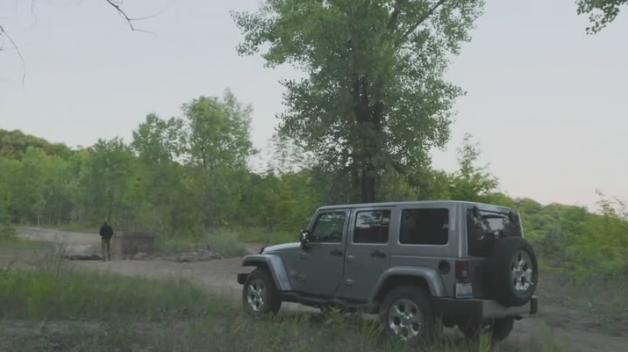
<point>218,276</point>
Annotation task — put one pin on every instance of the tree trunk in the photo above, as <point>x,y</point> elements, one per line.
<point>368,183</point>
<point>365,146</point>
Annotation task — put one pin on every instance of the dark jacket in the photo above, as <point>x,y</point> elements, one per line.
<point>106,231</point>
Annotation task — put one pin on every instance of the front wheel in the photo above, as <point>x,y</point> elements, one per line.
<point>407,314</point>
<point>259,294</point>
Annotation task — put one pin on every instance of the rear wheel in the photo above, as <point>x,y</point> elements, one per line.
<point>407,314</point>
<point>259,294</point>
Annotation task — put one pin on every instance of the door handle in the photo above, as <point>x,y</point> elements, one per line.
<point>336,252</point>
<point>378,254</point>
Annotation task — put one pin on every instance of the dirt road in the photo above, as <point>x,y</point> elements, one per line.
<point>218,276</point>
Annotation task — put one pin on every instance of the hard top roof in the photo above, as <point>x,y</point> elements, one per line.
<point>436,203</point>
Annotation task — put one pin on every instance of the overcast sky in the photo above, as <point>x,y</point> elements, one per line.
<point>547,103</point>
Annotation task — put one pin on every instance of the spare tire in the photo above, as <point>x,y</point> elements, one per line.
<point>514,271</point>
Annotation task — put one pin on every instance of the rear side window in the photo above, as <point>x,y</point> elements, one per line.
<point>424,226</point>
<point>329,227</point>
<point>371,226</point>
<point>484,228</point>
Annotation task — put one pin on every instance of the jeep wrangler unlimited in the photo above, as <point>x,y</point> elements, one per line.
<point>419,265</point>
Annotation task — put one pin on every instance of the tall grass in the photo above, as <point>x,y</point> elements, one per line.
<point>58,293</point>
<point>264,235</point>
<point>224,242</point>
<point>55,308</point>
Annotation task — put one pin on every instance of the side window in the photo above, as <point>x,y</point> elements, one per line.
<point>424,226</point>
<point>371,226</point>
<point>329,227</point>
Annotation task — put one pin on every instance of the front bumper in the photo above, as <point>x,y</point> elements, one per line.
<point>242,278</point>
<point>453,308</point>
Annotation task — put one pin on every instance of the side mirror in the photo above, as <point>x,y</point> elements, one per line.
<point>304,238</point>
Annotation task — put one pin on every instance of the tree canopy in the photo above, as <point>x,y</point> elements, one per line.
<point>600,12</point>
<point>13,144</point>
<point>374,97</point>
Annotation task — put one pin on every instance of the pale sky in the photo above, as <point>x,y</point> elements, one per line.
<point>547,103</point>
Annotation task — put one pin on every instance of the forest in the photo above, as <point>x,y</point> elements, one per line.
<point>187,176</point>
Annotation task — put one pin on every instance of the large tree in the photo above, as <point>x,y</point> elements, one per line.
<point>374,97</point>
<point>600,12</point>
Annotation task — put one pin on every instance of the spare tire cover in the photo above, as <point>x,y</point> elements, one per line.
<point>514,271</point>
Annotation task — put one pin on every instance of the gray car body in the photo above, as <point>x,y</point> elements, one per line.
<point>312,276</point>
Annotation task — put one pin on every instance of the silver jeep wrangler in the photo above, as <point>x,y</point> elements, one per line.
<point>419,265</point>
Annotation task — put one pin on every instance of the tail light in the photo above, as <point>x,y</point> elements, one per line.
<point>462,271</point>
<point>463,287</point>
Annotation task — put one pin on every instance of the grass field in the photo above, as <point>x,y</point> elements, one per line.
<point>57,308</point>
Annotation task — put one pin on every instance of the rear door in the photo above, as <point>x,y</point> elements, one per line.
<point>368,251</point>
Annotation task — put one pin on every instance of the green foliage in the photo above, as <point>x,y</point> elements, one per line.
<point>14,144</point>
<point>219,132</point>
<point>264,235</point>
<point>178,178</point>
<point>600,12</point>
<point>7,234</point>
<point>374,96</point>
<point>107,180</point>
<point>605,240</point>
<point>64,294</point>
<point>470,182</point>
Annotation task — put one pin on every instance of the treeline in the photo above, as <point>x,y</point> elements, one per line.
<point>185,175</point>
<point>178,176</point>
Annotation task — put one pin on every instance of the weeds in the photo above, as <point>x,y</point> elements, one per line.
<point>226,243</point>
<point>264,235</point>
<point>59,293</point>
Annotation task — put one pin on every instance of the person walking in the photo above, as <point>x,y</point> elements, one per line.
<point>106,232</point>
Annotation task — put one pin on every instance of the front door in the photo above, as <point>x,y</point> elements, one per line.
<point>321,262</point>
<point>368,252</point>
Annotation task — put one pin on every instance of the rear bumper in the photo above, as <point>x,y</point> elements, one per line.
<point>456,309</point>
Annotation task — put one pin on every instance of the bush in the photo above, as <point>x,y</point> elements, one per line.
<point>7,233</point>
<point>225,242</point>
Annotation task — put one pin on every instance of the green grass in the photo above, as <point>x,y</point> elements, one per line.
<point>9,240</point>
<point>55,308</point>
<point>591,303</point>
<point>264,235</point>
<point>60,293</point>
<point>224,242</point>
<point>74,227</point>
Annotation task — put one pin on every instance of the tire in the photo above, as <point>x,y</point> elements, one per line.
<point>259,294</point>
<point>407,314</point>
<point>502,328</point>
<point>514,271</point>
<point>499,329</point>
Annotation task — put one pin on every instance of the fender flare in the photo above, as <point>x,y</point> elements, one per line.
<point>275,266</point>
<point>431,277</point>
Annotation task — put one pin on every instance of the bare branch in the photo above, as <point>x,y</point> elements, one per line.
<point>4,33</point>
<point>122,13</point>
<point>131,20</point>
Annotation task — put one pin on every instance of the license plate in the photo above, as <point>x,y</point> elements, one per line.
<point>464,290</point>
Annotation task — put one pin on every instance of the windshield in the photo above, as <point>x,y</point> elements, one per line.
<point>485,227</point>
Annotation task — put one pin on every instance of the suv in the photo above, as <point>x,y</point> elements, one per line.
<point>419,265</point>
